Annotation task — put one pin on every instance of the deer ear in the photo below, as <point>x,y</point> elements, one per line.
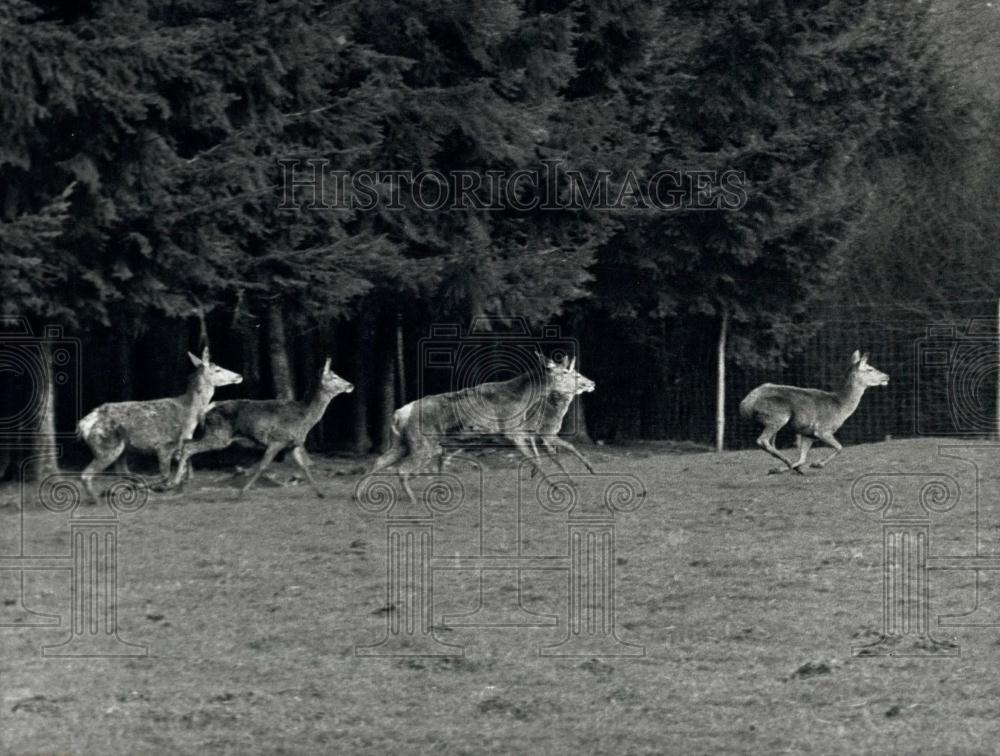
<point>572,363</point>
<point>864,358</point>
<point>856,357</point>
<point>204,354</point>
<point>194,360</point>
<point>326,365</point>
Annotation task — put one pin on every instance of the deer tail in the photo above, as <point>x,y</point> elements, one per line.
<point>400,419</point>
<point>749,404</point>
<point>86,425</point>
<point>97,429</point>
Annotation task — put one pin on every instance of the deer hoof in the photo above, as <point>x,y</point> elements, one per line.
<point>798,470</point>
<point>817,465</point>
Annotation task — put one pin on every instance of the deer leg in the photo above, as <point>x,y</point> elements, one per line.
<point>303,461</point>
<point>269,454</point>
<point>418,460</point>
<point>443,459</point>
<point>803,444</point>
<point>190,448</point>
<point>164,456</point>
<point>536,455</point>
<point>390,457</point>
<point>553,454</point>
<point>564,444</point>
<point>766,442</point>
<point>522,446</point>
<point>103,459</point>
<point>411,465</point>
<point>829,440</point>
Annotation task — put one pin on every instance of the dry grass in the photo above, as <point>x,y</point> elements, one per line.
<point>746,590</point>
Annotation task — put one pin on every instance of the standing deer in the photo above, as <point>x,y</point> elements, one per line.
<point>157,426</point>
<point>814,415</point>
<point>275,424</point>
<point>515,409</point>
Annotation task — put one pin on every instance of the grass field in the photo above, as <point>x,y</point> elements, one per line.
<point>747,592</point>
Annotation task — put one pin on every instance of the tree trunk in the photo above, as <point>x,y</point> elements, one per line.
<point>720,385</point>
<point>277,344</point>
<point>388,353</point>
<point>361,442</point>
<point>123,348</point>
<point>45,450</point>
<point>249,333</point>
<point>401,363</point>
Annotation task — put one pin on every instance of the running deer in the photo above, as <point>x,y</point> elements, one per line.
<point>157,426</point>
<point>814,415</point>
<point>554,410</point>
<point>515,409</point>
<point>275,424</point>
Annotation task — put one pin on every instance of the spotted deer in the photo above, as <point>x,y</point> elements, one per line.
<point>813,414</point>
<point>156,426</point>
<point>515,409</point>
<point>275,424</point>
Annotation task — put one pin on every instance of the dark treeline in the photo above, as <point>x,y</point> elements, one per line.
<point>141,164</point>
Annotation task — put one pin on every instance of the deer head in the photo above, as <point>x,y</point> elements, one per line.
<point>212,374</point>
<point>563,378</point>
<point>864,374</point>
<point>333,384</point>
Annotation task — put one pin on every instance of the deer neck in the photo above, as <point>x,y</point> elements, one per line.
<point>556,406</point>
<point>849,397</point>
<point>317,406</point>
<point>199,394</point>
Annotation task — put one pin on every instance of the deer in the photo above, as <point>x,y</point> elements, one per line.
<point>515,409</point>
<point>556,404</point>
<point>275,424</point>
<point>813,414</point>
<point>155,426</point>
<point>548,416</point>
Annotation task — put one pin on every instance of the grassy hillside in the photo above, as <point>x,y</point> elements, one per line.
<point>746,590</point>
<point>969,31</point>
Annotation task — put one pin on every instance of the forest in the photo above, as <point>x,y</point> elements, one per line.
<point>143,143</point>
